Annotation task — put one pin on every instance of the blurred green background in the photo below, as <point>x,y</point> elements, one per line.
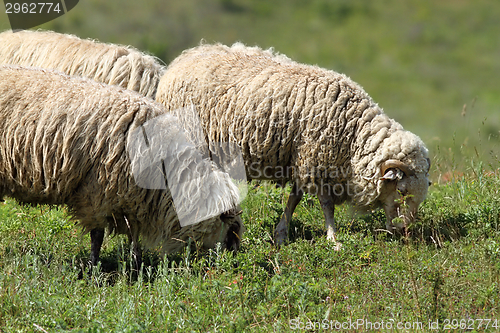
<point>432,65</point>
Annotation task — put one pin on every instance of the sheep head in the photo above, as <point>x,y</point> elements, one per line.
<point>403,189</point>
<point>229,231</point>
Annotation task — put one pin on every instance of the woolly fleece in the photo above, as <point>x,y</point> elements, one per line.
<point>119,65</point>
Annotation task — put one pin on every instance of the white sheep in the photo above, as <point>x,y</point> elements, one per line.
<point>70,140</point>
<point>113,64</point>
<point>301,123</point>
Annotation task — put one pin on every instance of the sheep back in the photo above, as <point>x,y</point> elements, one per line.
<point>113,64</point>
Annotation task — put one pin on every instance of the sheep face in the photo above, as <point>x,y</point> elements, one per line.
<point>229,231</point>
<point>402,192</point>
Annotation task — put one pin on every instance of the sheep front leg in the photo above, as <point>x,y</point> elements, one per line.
<point>328,206</point>
<point>96,238</point>
<point>281,232</point>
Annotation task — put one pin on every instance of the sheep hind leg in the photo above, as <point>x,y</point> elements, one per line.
<point>328,206</point>
<point>281,231</point>
<point>135,252</point>
<point>96,238</point>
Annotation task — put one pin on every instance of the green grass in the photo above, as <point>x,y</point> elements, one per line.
<point>448,267</point>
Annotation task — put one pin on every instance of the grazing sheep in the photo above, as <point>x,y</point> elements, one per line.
<point>108,63</point>
<point>301,123</point>
<point>70,140</point>
<point>123,66</point>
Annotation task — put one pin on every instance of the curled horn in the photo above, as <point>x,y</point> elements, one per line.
<point>390,164</point>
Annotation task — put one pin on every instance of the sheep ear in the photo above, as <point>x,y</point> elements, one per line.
<point>232,240</point>
<point>393,174</point>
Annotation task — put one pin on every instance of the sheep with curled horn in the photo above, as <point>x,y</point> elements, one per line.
<point>73,141</point>
<point>302,124</point>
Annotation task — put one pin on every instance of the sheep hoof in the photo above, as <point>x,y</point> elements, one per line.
<point>337,245</point>
<point>280,240</point>
<point>280,236</point>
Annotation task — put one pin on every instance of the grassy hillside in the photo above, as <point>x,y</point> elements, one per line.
<point>447,268</point>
